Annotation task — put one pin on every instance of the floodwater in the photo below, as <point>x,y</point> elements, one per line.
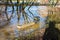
<point>11,28</point>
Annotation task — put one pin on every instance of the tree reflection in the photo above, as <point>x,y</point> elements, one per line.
<point>20,9</point>
<point>6,6</point>
<point>24,14</point>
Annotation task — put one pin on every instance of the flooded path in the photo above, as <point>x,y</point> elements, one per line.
<point>10,31</point>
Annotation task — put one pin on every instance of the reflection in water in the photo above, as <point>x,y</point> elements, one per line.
<point>17,17</point>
